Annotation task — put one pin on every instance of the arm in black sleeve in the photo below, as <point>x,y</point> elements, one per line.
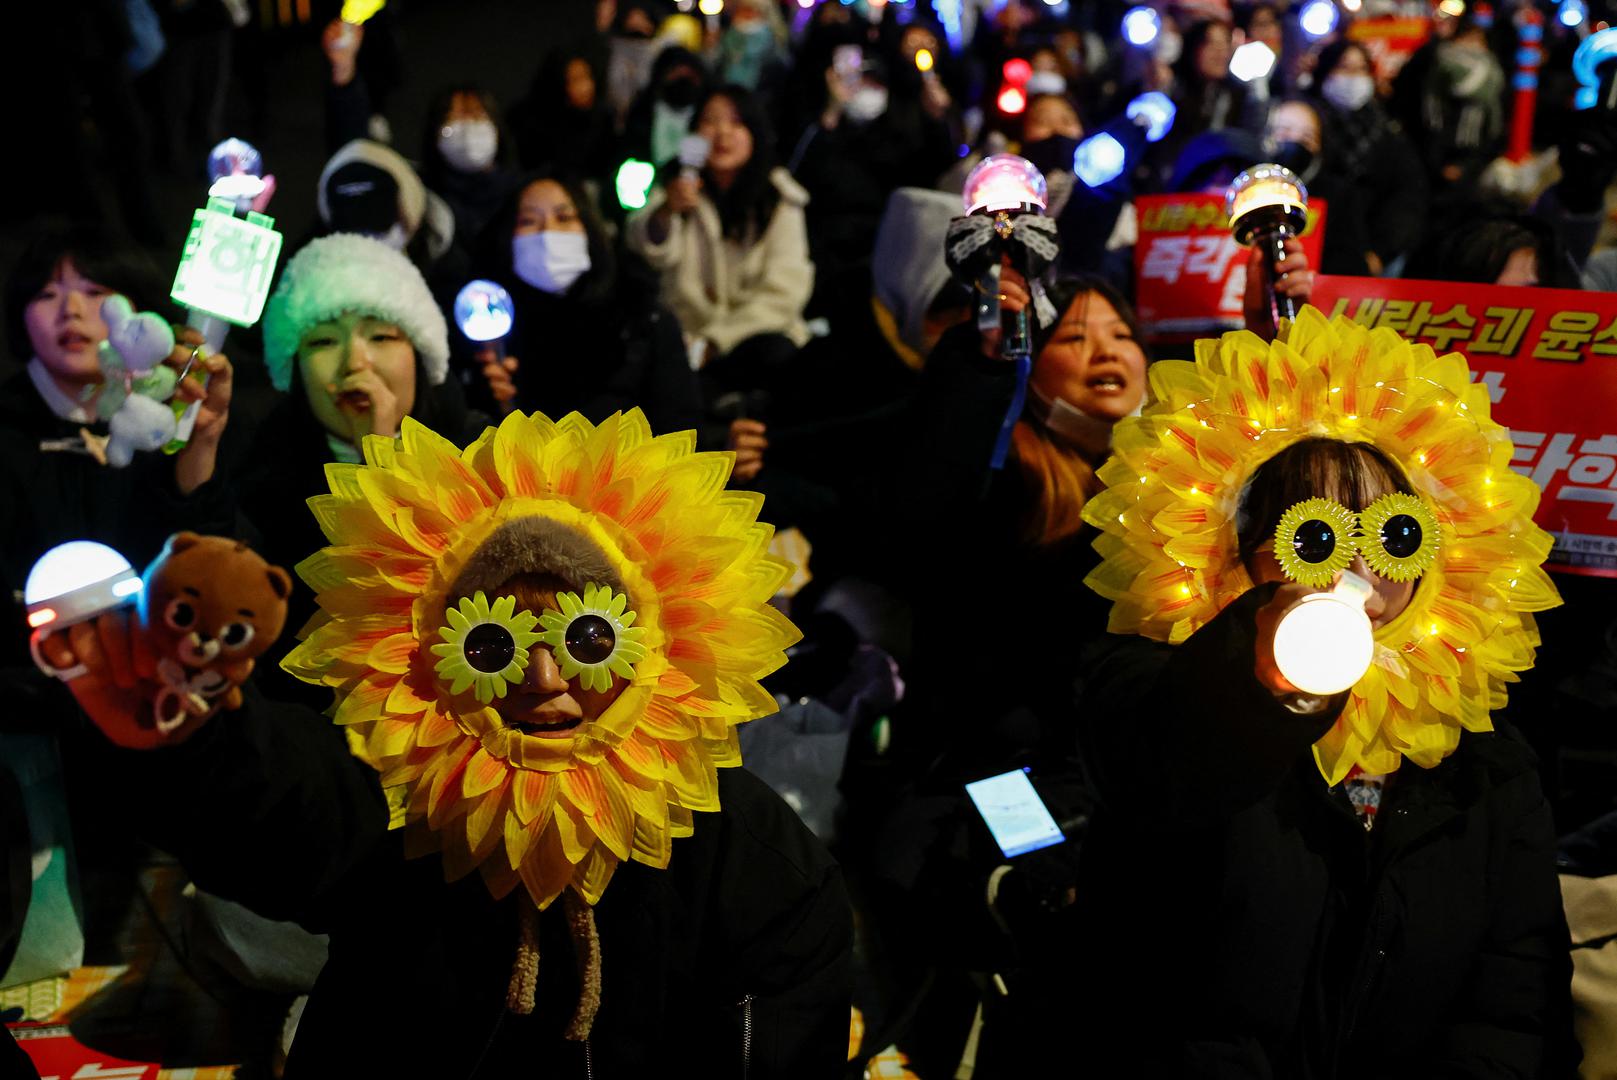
<point>348,113</point>
<point>1174,734</point>
<point>264,806</point>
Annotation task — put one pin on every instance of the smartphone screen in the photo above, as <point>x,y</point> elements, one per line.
<point>1015,814</point>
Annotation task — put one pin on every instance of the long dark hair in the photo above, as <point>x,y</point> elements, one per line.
<point>1060,479</point>
<point>97,253</point>
<point>745,209</point>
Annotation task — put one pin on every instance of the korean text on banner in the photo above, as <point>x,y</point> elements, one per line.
<point>1190,273</point>
<point>1549,357</point>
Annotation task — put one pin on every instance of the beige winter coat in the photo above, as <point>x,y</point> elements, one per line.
<point>724,291</point>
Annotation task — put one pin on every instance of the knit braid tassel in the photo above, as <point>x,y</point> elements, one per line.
<point>587,951</point>
<point>519,995</point>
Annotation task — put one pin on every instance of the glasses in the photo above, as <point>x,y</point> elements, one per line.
<point>1317,539</point>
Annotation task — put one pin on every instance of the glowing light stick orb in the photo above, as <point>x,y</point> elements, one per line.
<point>1141,25</point>
<point>633,183</point>
<point>1597,49</point>
<point>1324,643</point>
<point>483,311</point>
<point>359,11</point>
<point>1099,160</point>
<point>73,583</point>
<point>235,170</point>
<point>1155,110</point>
<point>1254,60</point>
<point>1011,101</point>
<point>1004,182</point>
<point>1017,72</point>
<point>1264,197</point>
<point>1318,18</point>
<point>710,7</point>
<point>1573,12</point>
<point>923,60</point>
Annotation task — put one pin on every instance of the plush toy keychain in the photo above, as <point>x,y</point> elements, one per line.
<point>209,607</point>
<point>137,384</point>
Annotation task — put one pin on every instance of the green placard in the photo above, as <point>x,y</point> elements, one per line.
<point>228,263</point>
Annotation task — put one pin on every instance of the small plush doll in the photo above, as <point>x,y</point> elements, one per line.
<point>137,386</point>
<point>209,607</point>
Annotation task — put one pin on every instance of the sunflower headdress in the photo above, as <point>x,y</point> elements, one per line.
<point>1168,532</point>
<point>668,579</point>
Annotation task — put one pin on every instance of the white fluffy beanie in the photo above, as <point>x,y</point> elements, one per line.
<point>346,272</point>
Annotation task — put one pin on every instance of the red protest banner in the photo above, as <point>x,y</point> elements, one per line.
<point>1390,40</point>
<point>1549,357</point>
<point>57,1055</point>
<point>1190,274</point>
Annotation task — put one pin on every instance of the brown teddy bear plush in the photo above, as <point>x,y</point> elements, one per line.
<point>209,607</point>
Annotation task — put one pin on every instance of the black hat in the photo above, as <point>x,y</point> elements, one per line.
<point>362,199</point>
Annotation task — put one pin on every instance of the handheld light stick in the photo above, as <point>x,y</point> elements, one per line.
<point>1141,25</point>
<point>1529,58</point>
<point>1012,97</point>
<point>74,583</point>
<point>1252,62</point>
<point>484,312</point>
<point>1324,643</point>
<point>1592,64</point>
<point>711,8</point>
<point>236,172</point>
<point>1003,188</point>
<point>356,13</point>
<point>633,183</point>
<point>1318,18</point>
<point>1267,205</point>
<point>223,279</point>
<point>1103,156</point>
<point>693,152</point>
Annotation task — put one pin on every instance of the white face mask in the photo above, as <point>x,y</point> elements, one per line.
<point>867,103</point>
<point>469,145</point>
<point>551,261</point>
<point>1350,93</point>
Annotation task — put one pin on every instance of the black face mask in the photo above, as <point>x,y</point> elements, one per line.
<point>1296,157</point>
<point>680,93</point>
<point>1048,155</point>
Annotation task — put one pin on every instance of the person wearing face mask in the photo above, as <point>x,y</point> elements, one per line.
<point>1294,137</point>
<point>1367,150</point>
<point>751,47</point>
<point>633,51</point>
<point>661,115</point>
<point>574,300</point>
<point>466,156</point>
<point>1463,106</point>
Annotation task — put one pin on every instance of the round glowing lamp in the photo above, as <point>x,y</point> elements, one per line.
<point>1318,18</point>
<point>1141,25</point>
<point>1252,61</point>
<point>1324,643</point>
<point>483,311</point>
<point>1011,101</point>
<point>633,183</point>
<point>1017,71</point>
<point>1573,13</point>
<point>1099,160</point>
<point>1266,198</point>
<point>73,583</point>
<point>235,170</point>
<point>924,60</point>
<point>1005,182</point>
<point>1155,112</point>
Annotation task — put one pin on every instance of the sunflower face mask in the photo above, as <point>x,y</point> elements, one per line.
<point>1170,548</point>
<point>660,628</point>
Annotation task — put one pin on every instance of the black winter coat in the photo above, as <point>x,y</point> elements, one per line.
<point>749,925</point>
<point>1235,919</point>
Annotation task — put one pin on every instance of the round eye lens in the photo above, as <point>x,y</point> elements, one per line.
<point>489,648</point>
<point>1401,536</point>
<point>1314,541</point>
<point>590,639</point>
<point>180,615</point>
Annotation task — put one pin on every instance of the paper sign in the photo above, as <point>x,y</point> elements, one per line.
<point>1190,274</point>
<point>1549,357</point>
<point>57,1055</point>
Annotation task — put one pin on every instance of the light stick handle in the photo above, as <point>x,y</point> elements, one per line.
<point>213,331</point>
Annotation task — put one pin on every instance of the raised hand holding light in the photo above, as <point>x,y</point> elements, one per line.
<point>74,583</point>
<point>484,313</point>
<point>1267,205</point>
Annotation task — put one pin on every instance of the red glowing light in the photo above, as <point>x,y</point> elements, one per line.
<point>1012,101</point>
<point>39,618</point>
<point>1018,72</point>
